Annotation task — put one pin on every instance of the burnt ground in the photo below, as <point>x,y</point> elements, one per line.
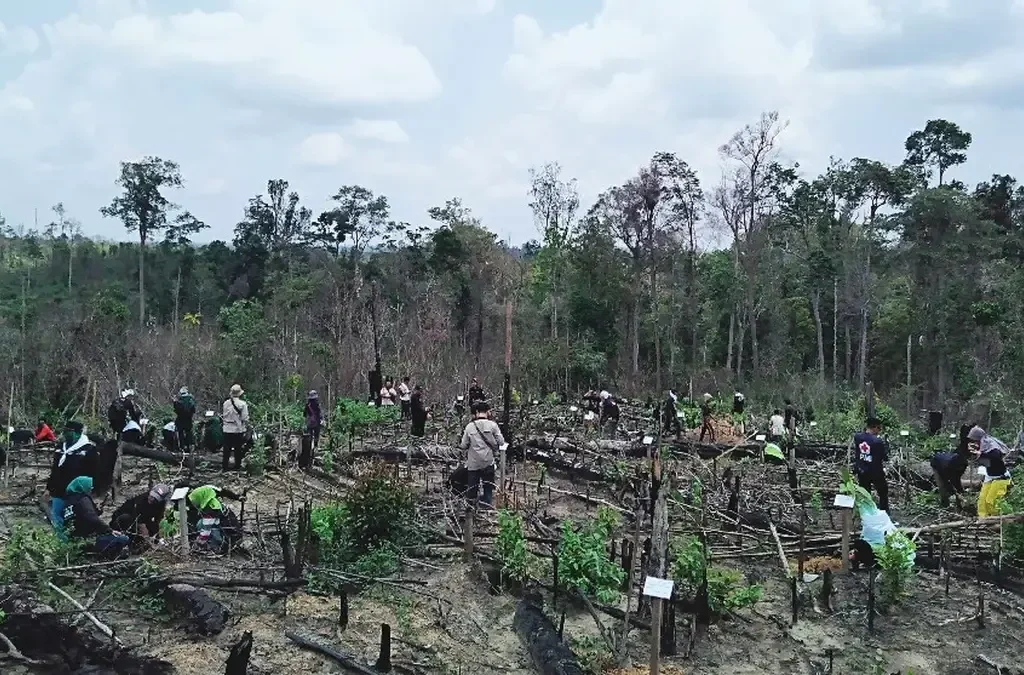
<point>456,623</point>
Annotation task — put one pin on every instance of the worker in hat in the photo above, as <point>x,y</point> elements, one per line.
<point>609,415</point>
<point>139,517</point>
<point>235,417</point>
<point>706,416</point>
<point>481,440</point>
<point>184,414</point>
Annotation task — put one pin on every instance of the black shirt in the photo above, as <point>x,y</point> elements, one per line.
<point>81,519</point>
<point>140,511</point>
<point>609,410</point>
<point>871,452</point>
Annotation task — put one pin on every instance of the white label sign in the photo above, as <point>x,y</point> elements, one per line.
<point>573,408</point>
<point>209,413</point>
<point>844,502</point>
<point>679,415</point>
<point>503,447</point>
<point>952,435</point>
<point>814,424</point>
<point>648,440</point>
<point>982,472</point>
<point>904,432</point>
<point>179,494</point>
<point>760,437</point>
<point>658,588</point>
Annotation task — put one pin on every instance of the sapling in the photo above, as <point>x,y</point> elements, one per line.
<point>510,546</point>
<point>895,559</point>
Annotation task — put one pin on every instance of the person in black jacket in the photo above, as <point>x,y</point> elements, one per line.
<point>418,412</point>
<point>77,456</point>
<point>948,469</point>
<point>871,453</point>
<point>140,516</point>
<point>82,521</point>
<point>184,413</point>
<point>669,417</point>
<point>609,415</point>
<point>476,392</point>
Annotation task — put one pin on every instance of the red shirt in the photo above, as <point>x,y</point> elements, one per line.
<point>45,433</point>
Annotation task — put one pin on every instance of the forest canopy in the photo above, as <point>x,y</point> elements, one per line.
<point>896,274</point>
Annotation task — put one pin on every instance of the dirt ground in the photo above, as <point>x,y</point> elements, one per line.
<point>455,624</point>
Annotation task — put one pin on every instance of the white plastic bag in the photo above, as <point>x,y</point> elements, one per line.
<point>875,526</point>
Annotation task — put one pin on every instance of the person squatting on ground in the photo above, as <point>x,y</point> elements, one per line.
<point>212,526</point>
<point>948,469</point>
<point>670,415</point>
<point>82,521</point>
<point>139,517</point>
<point>235,418</point>
<point>991,453</point>
<point>418,412</point>
<point>77,456</point>
<point>609,420</point>
<point>872,453</point>
<point>706,428</point>
<point>481,440</point>
<point>405,397</point>
<point>184,414</point>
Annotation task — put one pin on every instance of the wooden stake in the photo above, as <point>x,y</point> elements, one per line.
<point>845,548</point>
<point>467,534</point>
<point>183,525</point>
<point>655,636</point>
<point>384,660</point>
<point>342,610</point>
<point>871,600</point>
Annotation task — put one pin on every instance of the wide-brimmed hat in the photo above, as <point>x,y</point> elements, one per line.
<point>236,390</point>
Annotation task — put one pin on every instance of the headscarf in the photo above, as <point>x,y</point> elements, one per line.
<point>161,492</point>
<point>183,391</point>
<point>605,395</point>
<point>81,485</point>
<point>205,497</point>
<point>987,442</point>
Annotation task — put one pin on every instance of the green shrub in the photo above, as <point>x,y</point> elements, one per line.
<point>381,510</point>
<point>31,552</point>
<point>1013,502</point>
<point>510,545</point>
<point>583,562</point>
<point>726,590</point>
<point>894,558</point>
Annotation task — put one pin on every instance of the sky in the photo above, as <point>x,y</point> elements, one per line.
<point>424,100</point>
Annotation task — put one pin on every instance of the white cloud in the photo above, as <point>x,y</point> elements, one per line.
<point>322,149</point>
<point>18,40</point>
<point>385,131</point>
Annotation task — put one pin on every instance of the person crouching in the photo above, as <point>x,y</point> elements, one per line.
<point>82,521</point>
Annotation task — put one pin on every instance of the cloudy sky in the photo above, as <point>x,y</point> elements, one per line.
<point>426,99</point>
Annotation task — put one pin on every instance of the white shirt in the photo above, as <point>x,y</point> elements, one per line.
<point>403,389</point>
<point>778,425</point>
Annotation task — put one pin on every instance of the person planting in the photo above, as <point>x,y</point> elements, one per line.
<point>481,439</point>
<point>212,525</point>
<point>44,434</point>
<point>990,453</point>
<point>669,417</point>
<point>871,453</point>
<point>82,521</point>
<point>948,469</point>
<point>140,516</point>
<point>609,415</point>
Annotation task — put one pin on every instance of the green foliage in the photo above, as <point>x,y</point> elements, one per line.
<point>510,546</point>
<point>583,562</point>
<point>33,552</point>
<point>816,505</point>
<point>352,417</point>
<point>593,654</point>
<point>381,510</point>
<point>895,559</point>
<point>848,486</point>
<point>377,563</point>
<point>256,458</point>
<point>726,590</point>
<point>1013,502</point>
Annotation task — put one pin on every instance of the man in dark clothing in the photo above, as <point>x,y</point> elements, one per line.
<point>592,401</point>
<point>871,454</point>
<point>669,416</point>
<point>791,418</point>
<point>77,456</point>
<point>948,469</point>
<point>184,412</point>
<point>706,415</point>
<point>418,411</point>
<point>140,516</point>
<point>313,417</point>
<point>609,415</point>
<point>476,392</point>
<point>117,415</point>
<point>82,521</point>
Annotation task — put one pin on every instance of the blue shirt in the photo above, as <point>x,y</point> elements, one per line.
<point>871,452</point>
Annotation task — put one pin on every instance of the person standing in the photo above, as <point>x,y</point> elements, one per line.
<point>872,453</point>
<point>184,413</point>
<point>991,453</point>
<point>314,418</point>
<point>609,419</point>
<point>77,456</point>
<point>235,417</point>
<point>776,427</point>
<point>739,417</point>
<point>481,439</point>
<point>405,397</point>
<point>388,393</point>
<point>706,416</point>
<point>418,412</point>
<point>792,418</point>
<point>476,393</point>
<point>670,417</point>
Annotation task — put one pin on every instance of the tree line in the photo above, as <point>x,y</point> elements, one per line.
<point>896,274</point>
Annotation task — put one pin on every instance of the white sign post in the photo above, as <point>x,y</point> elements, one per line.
<point>657,590</point>
<point>179,496</point>
<point>845,503</point>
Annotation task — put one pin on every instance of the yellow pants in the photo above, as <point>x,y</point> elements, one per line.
<point>991,493</point>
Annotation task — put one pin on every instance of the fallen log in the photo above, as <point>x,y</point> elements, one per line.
<point>551,656</point>
<point>132,450</point>
<point>201,613</point>
<point>39,634</point>
<point>344,660</point>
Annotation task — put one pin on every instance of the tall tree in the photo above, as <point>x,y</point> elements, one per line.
<point>554,203</point>
<point>179,237</point>
<point>143,208</point>
<point>940,145</point>
<point>68,229</point>
<point>268,239</point>
<point>357,219</point>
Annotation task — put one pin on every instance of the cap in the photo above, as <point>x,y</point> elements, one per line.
<point>161,492</point>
